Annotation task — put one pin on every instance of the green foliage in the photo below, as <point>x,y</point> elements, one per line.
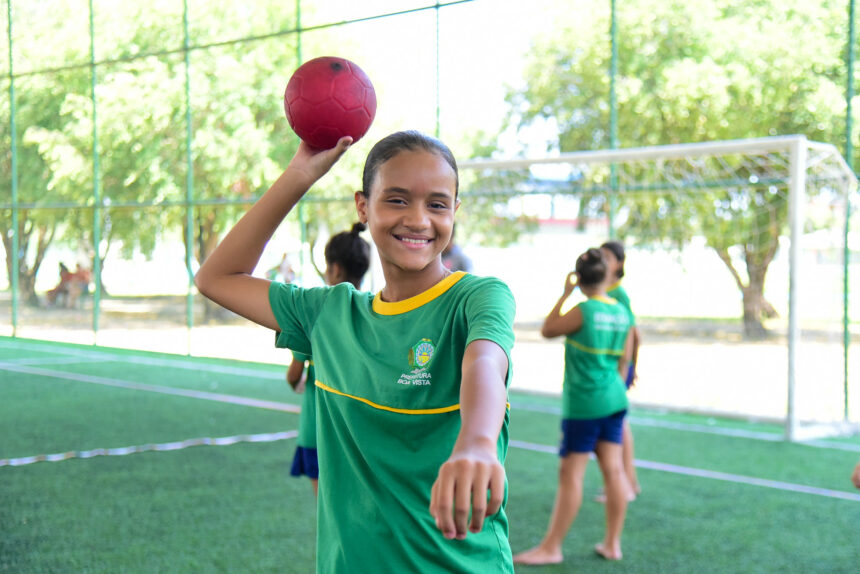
<point>239,135</point>
<point>689,72</point>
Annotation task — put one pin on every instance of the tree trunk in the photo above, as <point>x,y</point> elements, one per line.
<point>755,306</point>
<point>27,287</point>
<point>207,241</point>
<point>27,272</point>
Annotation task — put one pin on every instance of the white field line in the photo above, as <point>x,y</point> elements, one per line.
<point>714,475</point>
<point>111,382</point>
<point>292,408</point>
<point>50,361</point>
<point>704,429</point>
<point>196,365</point>
<point>187,364</point>
<point>167,446</point>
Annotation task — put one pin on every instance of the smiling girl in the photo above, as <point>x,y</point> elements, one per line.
<point>411,403</point>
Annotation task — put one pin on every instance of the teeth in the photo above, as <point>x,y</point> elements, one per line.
<point>415,241</point>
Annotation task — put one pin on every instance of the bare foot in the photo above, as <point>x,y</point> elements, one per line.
<point>604,552</point>
<point>538,555</point>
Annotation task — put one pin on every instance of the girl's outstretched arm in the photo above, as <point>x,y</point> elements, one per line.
<point>225,276</point>
<point>473,467</point>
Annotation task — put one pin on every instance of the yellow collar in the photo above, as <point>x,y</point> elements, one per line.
<point>614,286</point>
<point>602,299</point>
<point>398,307</point>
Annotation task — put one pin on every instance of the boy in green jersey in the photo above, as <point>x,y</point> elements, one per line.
<point>597,350</point>
<point>615,256</point>
<point>412,417</point>
<point>347,258</point>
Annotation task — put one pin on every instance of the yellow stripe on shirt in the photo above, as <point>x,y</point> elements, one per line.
<point>440,410</point>
<point>585,349</point>
<point>452,408</point>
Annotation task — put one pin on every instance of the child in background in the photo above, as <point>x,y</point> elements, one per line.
<point>412,417</point>
<point>597,350</point>
<point>615,256</point>
<point>347,258</point>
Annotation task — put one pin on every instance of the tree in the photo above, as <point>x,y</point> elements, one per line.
<point>141,124</point>
<point>694,71</point>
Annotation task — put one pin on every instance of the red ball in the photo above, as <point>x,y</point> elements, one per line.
<point>328,98</point>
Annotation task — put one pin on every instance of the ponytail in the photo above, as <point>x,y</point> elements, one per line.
<point>351,252</point>
<point>591,267</point>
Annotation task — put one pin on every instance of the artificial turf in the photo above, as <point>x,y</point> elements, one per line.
<point>235,509</point>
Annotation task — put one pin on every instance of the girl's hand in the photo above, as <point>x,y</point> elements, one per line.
<point>461,486</point>
<point>570,283</point>
<point>311,164</point>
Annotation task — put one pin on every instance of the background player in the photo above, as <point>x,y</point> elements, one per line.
<point>615,256</point>
<point>597,350</point>
<point>347,258</point>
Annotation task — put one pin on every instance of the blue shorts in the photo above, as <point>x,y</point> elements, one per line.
<point>582,435</point>
<point>305,462</point>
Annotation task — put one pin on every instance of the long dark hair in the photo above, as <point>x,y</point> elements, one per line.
<point>351,252</point>
<point>409,140</point>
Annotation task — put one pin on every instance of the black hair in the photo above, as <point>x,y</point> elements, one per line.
<point>351,252</point>
<point>617,249</point>
<point>409,140</point>
<point>591,267</point>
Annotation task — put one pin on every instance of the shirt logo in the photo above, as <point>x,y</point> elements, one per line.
<point>420,356</point>
<point>421,353</point>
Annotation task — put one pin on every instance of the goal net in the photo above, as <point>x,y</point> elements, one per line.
<point>739,267</point>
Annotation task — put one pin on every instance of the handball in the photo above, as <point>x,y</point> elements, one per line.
<point>328,98</point>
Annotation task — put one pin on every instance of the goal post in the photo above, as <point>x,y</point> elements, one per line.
<point>773,211</point>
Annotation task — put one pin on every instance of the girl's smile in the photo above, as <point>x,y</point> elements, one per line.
<point>413,242</point>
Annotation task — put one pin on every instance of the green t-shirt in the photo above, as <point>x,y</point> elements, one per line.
<point>592,386</point>
<point>308,419</point>
<point>618,293</point>
<point>388,378</point>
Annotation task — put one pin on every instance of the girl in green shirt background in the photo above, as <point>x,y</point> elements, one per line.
<point>615,255</point>
<point>597,352</point>
<point>347,259</point>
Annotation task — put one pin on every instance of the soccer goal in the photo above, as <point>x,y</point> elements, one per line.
<point>762,231</point>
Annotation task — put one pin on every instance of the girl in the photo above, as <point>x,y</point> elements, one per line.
<point>594,404</point>
<point>347,258</point>
<point>613,251</point>
<point>412,408</point>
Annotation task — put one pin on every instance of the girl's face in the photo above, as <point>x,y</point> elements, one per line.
<point>410,209</point>
<point>334,274</point>
<point>612,263</point>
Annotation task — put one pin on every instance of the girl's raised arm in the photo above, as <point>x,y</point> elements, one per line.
<point>225,276</point>
<point>557,324</point>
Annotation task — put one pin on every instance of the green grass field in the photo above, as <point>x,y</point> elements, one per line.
<point>705,507</point>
